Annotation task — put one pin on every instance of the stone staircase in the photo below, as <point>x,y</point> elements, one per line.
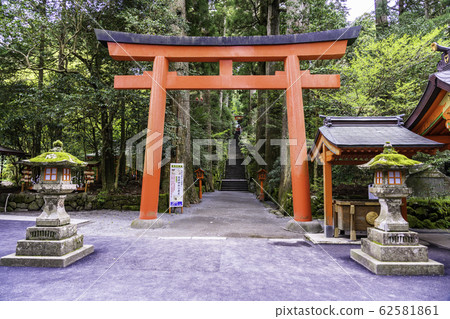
<point>234,172</point>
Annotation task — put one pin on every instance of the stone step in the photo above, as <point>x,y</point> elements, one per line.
<point>14,260</point>
<point>49,247</point>
<point>389,268</point>
<point>394,253</point>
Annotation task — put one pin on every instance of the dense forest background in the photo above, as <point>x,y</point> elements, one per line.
<point>56,79</point>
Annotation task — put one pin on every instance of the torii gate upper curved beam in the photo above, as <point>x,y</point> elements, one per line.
<point>290,49</point>
<point>349,34</point>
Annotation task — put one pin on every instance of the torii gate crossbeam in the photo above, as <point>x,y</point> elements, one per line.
<point>226,50</point>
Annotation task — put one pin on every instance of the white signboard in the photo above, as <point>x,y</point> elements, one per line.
<point>176,185</point>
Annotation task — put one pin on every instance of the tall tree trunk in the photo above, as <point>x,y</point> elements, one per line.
<point>170,124</point>
<point>427,7</point>
<point>401,7</point>
<point>273,28</point>
<point>107,166</point>
<point>37,136</point>
<point>250,107</point>
<point>381,16</point>
<point>209,184</point>
<point>121,162</point>
<point>62,38</point>
<point>183,150</point>
<point>261,69</point>
<point>221,91</point>
<point>285,187</point>
<point>261,108</point>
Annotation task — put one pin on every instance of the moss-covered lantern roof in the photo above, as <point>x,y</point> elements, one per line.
<point>55,157</point>
<point>390,159</point>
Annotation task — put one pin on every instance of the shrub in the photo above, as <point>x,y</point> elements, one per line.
<point>429,212</point>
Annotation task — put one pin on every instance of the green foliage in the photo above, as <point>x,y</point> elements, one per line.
<point>287,204</point>
<point>102,197</point>
<point>440,160</point>
<point>273,177</point>
<point>429,212</point>
<point>350,175</point>
<point>385,77</point>
<point>9,172</point>
<point>317,198</point>
<point>56,81</point>
<point>314,15</point>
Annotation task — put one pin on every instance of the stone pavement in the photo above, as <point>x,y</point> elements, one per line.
<point>229,247</point>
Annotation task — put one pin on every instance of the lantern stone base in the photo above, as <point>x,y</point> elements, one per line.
<point>14,260</point>
<point>48,247</point>
<point>395,253</point>
<point>389,268</point>
<point>304,227</point>
<point>147,223</point>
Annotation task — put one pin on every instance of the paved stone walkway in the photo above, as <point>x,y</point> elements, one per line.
<point>229,247</point>
<point>220,214</point>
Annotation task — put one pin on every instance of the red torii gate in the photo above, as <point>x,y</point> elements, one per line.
<point>226,50</point>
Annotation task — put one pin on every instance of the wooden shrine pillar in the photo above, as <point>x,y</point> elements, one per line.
<point>155,134</point>
<point>404,208</point>
<point>327,192</point>
<point>298,152</point>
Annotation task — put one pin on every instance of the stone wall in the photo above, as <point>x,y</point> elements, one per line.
<point>429,183</point>
<point>29,201</point>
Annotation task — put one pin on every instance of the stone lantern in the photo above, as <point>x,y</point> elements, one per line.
<point>390,248</point>
<point>54,241</point>
<point>390,172</point>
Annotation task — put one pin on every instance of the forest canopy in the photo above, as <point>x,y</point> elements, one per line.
<point>56,79</point>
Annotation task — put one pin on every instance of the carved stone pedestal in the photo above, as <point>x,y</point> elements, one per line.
<point>53,212</point>
<point>53,242</point>
<point>395,253</point>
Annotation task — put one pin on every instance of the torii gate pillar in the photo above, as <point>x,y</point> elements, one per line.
<point>298,153</point>
<point>155,133</point>
<point>287,48</point>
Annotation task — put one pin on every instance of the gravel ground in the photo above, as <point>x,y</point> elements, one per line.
<point>229,247</point>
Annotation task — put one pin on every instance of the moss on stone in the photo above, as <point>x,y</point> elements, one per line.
<point>388,160</point>
<point>55,157</point>
<point>58,143</point>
